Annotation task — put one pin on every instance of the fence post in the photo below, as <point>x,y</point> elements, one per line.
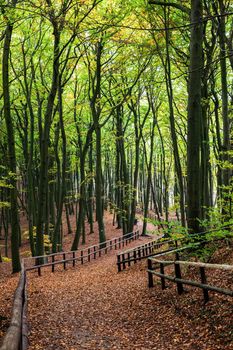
<point>73,258</point>
<point>146,245</point>
<point>150,275</point>
<point>53,259</point>
<point>153,245</point>
<point>150,247</point>
<point>39,271</point>
<point>89,254</point>
<point>162,278</point>
<point>119,240</point>
<point>203,281</point>
<point>115,243</point>
<point>139,254</point>
<point>180,288</point>
<point>119,262</point>
<point>64,263</point>
<point>143,251</point>
<point>82,257</point>
<point>94,252</point>
<point>111,245</point>
<point>123,261</point>
<point>129,262</point>
<point>135,256</point>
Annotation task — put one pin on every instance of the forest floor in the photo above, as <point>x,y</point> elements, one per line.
<point>94,307</point>
<point>9,281</point>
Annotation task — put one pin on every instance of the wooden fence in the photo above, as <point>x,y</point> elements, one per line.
<point>155,264</point>
<point>82,255</point>
<point>143,251</point>
<point>16,336</point>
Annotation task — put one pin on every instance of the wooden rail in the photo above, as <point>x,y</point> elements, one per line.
<point>154,264</point>
<point>143,251</point>
<point>16,335</point>
<point>127,257</point>
<point>82,255</point>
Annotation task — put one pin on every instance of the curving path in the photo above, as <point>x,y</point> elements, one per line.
<point>93,307</point>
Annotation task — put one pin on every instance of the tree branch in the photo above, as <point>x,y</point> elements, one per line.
<point>172,4</point>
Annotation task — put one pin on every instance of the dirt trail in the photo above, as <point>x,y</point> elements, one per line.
<point>94,307</point>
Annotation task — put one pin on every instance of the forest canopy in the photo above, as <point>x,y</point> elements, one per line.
<point>113,105</point>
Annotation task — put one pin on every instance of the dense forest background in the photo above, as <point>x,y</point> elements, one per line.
<point>107,105</point>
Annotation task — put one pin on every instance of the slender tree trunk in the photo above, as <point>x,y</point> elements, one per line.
<point>63,173</point>
<point>149,176</point>
<point>30,196</point>
<point>81,209</point>
<point>16,266</point>
<point>96,111</point>
<point>225,117</point>
<point>99,185</point>
<point>122,175</point>
<point>45,145</point>
<point>90,189</point>
<point>194,118</point>
<point>178,168</point>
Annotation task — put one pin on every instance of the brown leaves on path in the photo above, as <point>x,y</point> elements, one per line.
<point>8,284</point>
<point>94,307</point>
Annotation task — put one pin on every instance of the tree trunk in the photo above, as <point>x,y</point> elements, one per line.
<point>16,266</point>
<point>63,173</point>
<point>149,176</point>
<point>194,118</point>
<point>43,176</point>
<point>178,167</point>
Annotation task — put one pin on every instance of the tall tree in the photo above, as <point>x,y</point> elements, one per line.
<point>16,266</point>
<point>95,103</point>
<point>194,116</point>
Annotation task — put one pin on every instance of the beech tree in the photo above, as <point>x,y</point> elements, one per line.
<point>112,108</point>
<point>15,226</point>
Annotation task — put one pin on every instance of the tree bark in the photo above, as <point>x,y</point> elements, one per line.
<point>45,145</point>
<point>16,266</point>
<point>194,118</point>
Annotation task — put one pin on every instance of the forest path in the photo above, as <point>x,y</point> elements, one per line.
<point>94,307</point>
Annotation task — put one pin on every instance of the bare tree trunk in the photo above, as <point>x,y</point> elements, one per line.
<point>16,266</point>
<point>194,117</point>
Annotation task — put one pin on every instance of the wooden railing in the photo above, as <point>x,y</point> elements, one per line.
<point>16,335</point>
<point>143,251</point>
<point>81,255</point>
<point>189,241</point>
<point>155,264</point>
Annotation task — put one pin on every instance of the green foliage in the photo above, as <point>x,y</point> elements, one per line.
<point>5,205</point>
<point>47,238</point>
<point>171,229</point>
<point>6,259</point>
<point>214,232</point>
<point>4,184</point>
<point>132,70</point>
